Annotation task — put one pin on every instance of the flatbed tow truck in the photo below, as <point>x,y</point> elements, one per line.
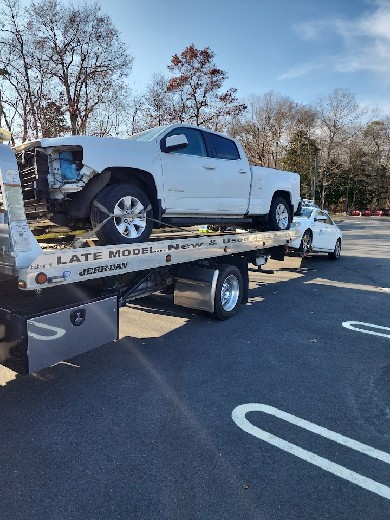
<point>60,299</point>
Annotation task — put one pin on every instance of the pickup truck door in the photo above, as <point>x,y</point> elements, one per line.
<point>189,174</point>
<point>233,175</point>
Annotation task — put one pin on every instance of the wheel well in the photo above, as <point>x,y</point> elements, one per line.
<point>140,178</point>
<point>285,195</point>
<point>81,203</point>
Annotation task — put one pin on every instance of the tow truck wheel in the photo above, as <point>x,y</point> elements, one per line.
<point>337,251</point>
<point>131,212</point>
<point>228,292</point>
<point>279,217</point>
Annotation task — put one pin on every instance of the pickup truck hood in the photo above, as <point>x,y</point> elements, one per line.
<point>87,142</point>
<point>101,152</point>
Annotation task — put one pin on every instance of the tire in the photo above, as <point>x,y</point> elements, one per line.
<point>279,216</point>
<point>335,255</point>
<point>127,202</point>
<point>306,243</point>
<point>228,292</point>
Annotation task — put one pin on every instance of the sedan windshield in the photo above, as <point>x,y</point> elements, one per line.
<point>306,212</point>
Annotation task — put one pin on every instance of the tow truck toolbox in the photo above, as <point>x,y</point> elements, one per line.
<point>57,301</point>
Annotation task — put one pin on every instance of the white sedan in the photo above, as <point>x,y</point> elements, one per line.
<point>318,233</point>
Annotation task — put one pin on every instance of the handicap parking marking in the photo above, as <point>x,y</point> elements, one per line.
<point>239,417</point>
<point>360,326</point>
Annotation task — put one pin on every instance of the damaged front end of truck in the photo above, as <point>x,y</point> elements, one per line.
<point>53,178</point>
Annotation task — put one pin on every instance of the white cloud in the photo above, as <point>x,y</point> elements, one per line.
<point>301,70</point>
<point>364,42</point>
<point>378,24</point>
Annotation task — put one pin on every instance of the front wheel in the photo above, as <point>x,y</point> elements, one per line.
<point>228,292</point>
<point>130,212</point>
<point>306,244</point>
<point>279,217</point>
<point>335,255</point>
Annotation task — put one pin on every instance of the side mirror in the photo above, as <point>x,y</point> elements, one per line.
<point>175,142</point>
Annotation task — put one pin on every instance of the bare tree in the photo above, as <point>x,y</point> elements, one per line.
<point>136,122</point>
<point>197,81</point>
<point>3,74</point>
<point>113,117</point>
<point>267,126</point>
<point>160,105</point>
<point>377,140</point>
<point>16,55</point>
<point>68,58</point>
<point>82,54</point>
<point>338,115</point>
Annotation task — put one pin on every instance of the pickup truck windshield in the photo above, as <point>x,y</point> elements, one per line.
<point>147,135</point>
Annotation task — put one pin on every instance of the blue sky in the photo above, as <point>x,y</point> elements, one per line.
<point>298,48</point>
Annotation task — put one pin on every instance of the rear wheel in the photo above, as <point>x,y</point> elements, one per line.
<point>335,255</point>
<point>131,212</point>
<point>228,292</point>
<point>279,217</point>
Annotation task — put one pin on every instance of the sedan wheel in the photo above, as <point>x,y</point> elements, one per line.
<point>335,255</point>
<point>306,244</point>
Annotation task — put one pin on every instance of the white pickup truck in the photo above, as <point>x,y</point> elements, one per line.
<point>178,175</point>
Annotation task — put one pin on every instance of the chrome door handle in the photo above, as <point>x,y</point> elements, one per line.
<point>207,167</point>
<point>242,171</point>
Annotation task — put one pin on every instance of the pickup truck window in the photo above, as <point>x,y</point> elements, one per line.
<point>224,148</point>
<point>196,144</point>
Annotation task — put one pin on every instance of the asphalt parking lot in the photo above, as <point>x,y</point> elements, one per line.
<point>281,413</point>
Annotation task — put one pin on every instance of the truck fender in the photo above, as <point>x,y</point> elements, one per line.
<point>80,207</point>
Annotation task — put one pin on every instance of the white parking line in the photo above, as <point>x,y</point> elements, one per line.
<point>351,325</point>
<point>239,418</point>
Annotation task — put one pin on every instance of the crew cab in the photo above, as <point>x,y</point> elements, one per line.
<point>172,175</point>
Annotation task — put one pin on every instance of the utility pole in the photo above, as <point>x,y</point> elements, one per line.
<point>314,176</point>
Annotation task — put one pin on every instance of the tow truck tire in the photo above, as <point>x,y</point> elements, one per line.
<point>337,251</point>
<point>228,292</point>
<point>132,225</point>
<point>279,216</point>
